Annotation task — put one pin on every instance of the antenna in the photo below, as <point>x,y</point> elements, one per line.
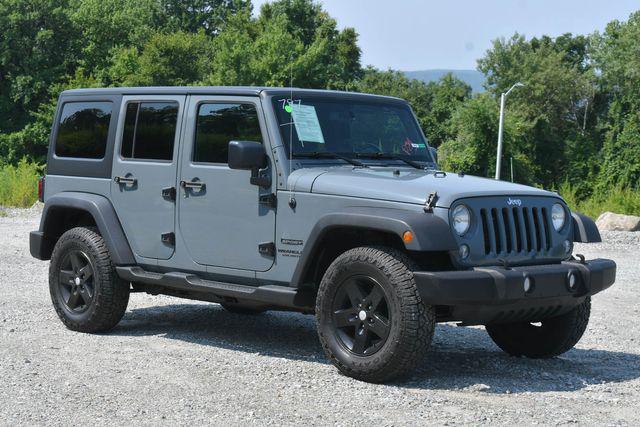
<point>291,125</point>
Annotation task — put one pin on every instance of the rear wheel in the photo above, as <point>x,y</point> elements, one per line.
<point>548,338</point>
<point>86,292</point>
<point>371,321</point>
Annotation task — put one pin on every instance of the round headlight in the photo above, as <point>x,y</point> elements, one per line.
<point>461,218</point>
<point>558,216</point>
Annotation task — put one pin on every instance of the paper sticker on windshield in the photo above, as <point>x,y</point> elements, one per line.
<point>306,122</point>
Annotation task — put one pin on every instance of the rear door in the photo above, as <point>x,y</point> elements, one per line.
<point>222,221</point>
<point>144,172</point>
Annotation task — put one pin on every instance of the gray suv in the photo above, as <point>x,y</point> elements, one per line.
<point>320,202</point>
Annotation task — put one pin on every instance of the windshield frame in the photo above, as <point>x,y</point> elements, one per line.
<point>273,96</point>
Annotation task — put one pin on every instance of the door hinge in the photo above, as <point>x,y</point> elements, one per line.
<point>168,238</point>
<point>267,249</point>
<point>169,193</point>
<point>270,200</point>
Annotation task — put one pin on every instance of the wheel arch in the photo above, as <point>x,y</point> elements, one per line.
<point>66,210</point>
<point>336,232</point>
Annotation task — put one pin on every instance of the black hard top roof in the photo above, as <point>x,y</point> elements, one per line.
<point>218,90</point>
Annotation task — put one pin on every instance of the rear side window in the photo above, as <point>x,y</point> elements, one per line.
<point>220,123</point>
<point>149,130</point>
<point>83,129</point>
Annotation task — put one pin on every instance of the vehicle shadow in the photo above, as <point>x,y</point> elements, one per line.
<point>459,358</point>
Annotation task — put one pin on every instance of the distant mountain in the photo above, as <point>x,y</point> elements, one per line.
<point>473,78</point>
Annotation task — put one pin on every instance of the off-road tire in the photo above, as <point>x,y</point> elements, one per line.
<point>412,323</point>
<point>110,293</point>
<point>239,309</point>
<point>553,337</point>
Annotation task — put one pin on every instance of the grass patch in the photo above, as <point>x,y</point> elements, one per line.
<point>19,184</point>
<point>618,200</point>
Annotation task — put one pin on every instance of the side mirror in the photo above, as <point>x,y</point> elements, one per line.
<point>246,155</point>
<point>434,153</point>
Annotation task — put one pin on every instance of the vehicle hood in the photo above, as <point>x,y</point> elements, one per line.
<point>403,185</point>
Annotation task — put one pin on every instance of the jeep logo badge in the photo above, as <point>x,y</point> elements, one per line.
<point>514,202</point>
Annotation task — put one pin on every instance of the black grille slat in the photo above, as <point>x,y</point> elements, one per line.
<point>547,230</point>
<point>516,229</point>
<point>531,231</point>
<point>502,233</point>
<point>542,230</point>
<point>491,231</point>
<point>511,230</point>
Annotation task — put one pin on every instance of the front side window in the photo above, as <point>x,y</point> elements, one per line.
<point>217,124</point>
<point>149,130</point>
<point>350,127</point>
<point>83,129</point>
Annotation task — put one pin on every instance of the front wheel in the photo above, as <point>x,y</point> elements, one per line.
<point>550,337</point>
<point>371,320</point>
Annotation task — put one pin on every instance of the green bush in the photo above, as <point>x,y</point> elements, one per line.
<point>19,184</point>
<point>617,199</point>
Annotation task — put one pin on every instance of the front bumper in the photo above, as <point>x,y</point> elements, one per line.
<point>497,294</point>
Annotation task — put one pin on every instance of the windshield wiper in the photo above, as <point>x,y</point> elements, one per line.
<point>389,156</point>
<point>328,155</point>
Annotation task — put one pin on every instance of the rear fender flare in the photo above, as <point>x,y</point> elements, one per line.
<point>104,215</point>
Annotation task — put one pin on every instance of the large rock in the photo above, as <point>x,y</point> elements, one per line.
<point>610,221</point>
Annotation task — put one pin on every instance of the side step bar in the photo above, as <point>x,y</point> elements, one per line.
<point>272,295</point>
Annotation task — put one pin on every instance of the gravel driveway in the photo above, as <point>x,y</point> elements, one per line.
<point>173,361</point>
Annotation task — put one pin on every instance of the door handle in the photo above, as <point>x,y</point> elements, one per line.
<point>123,180</point>
<point>195,185</point>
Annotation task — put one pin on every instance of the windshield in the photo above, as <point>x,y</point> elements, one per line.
<point>353,128</point>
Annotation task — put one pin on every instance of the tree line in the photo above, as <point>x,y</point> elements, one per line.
<point>576,122</point>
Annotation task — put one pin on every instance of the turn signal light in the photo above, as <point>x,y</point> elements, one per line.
<point>407,237</point>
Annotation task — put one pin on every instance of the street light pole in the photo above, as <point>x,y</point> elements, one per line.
<point>503,98</point>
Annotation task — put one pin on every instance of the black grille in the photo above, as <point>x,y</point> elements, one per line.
<point>515,230</point>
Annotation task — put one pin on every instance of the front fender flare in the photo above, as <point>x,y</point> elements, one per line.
<point>431,233</point>
<point>104,215</point>
<point>585,229</point>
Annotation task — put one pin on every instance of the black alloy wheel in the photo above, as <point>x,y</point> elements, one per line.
<point>371,321</point>
<point>85,289</point>
<point>76,284</point>
<point>361,315</point>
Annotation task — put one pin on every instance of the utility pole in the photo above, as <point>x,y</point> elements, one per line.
<point>503,98</point>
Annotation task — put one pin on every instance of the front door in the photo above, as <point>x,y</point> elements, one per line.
<point>144,171</point>
<point>221,220</point>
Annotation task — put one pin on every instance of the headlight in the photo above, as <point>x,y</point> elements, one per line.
<point>558,216</point>
<point>461,218</point>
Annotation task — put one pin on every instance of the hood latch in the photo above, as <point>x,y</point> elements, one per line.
<point>432,199</point>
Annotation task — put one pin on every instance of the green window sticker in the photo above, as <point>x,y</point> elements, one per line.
<point>306,122</point>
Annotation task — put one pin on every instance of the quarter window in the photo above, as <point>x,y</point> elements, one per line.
<point>149,130</point>
<point>217,124</point>
<point>83,130</point>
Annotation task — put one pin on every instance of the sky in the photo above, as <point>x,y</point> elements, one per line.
<point>413,35</point>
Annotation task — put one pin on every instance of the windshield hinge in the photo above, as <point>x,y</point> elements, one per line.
<point>432,199</point>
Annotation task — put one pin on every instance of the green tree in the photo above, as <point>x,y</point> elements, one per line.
<point>617,57</point>
<point>109,24</point>
<point>201,15</point>
<point>173,59</point>
<point>38,48</point>
<point>557,88</point>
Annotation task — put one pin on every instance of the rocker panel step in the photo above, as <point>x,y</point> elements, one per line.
<point>280,296</point>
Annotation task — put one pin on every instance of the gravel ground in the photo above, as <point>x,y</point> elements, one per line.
<point>172,361</point>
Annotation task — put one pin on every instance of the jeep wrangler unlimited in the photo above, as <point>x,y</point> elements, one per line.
<point>315,201</point>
